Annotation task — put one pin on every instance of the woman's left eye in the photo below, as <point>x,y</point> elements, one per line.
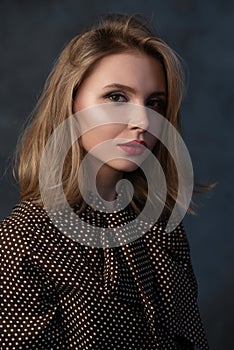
<point>116,97</point>
<point>156,104</point>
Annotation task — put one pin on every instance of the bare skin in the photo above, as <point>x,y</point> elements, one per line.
<point>129,77</point>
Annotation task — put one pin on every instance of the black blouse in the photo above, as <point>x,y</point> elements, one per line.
<point>57,293</point>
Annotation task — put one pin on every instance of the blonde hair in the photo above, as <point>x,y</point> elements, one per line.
<point>112,34</point>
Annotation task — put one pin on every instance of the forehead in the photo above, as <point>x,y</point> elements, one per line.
<point>128,68</point>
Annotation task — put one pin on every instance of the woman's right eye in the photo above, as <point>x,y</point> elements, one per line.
<point>116,97</point>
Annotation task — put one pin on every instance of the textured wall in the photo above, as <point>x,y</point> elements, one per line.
<point>32,33</point>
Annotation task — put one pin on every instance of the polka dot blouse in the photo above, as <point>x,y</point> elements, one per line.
<point>57,293</point>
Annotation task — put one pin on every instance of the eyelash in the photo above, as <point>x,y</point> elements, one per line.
<point>112,94</point>
<point>161,104</point>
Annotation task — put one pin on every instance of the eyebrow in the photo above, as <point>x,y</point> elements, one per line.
<point>132,90</point>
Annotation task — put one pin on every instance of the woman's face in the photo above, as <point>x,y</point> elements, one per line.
<point>129,78</point>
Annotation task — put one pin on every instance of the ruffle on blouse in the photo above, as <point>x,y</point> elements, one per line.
<point>154,271</point>
<point>160,265</point>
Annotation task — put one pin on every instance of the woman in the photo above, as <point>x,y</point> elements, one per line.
<point>65,290</point>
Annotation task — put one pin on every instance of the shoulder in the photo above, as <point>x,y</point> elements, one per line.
<point>173,243</point>
<point>29,240</point>
<point>29,229</point>
<point>22,223</point>
<point>174,236</point>
<point>24,217</point>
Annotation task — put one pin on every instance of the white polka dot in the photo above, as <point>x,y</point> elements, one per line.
<point>59,294</point>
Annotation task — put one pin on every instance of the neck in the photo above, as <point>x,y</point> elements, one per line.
<point>106,181</point>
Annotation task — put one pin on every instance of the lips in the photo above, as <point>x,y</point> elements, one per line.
<point>135,147</point>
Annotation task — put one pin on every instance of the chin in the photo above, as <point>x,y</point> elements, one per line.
<point>123,165</point>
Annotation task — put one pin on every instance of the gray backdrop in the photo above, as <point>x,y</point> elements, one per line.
<point>32,35</point>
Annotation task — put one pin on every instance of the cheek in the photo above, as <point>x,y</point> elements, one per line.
<point>100,134</point>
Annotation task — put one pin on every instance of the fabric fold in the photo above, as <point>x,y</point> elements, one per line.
<point>151,276</point>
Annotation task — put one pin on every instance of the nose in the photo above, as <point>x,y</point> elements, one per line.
<point>138,118</point>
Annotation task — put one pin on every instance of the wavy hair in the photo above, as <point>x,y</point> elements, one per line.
<point>112,34</point>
